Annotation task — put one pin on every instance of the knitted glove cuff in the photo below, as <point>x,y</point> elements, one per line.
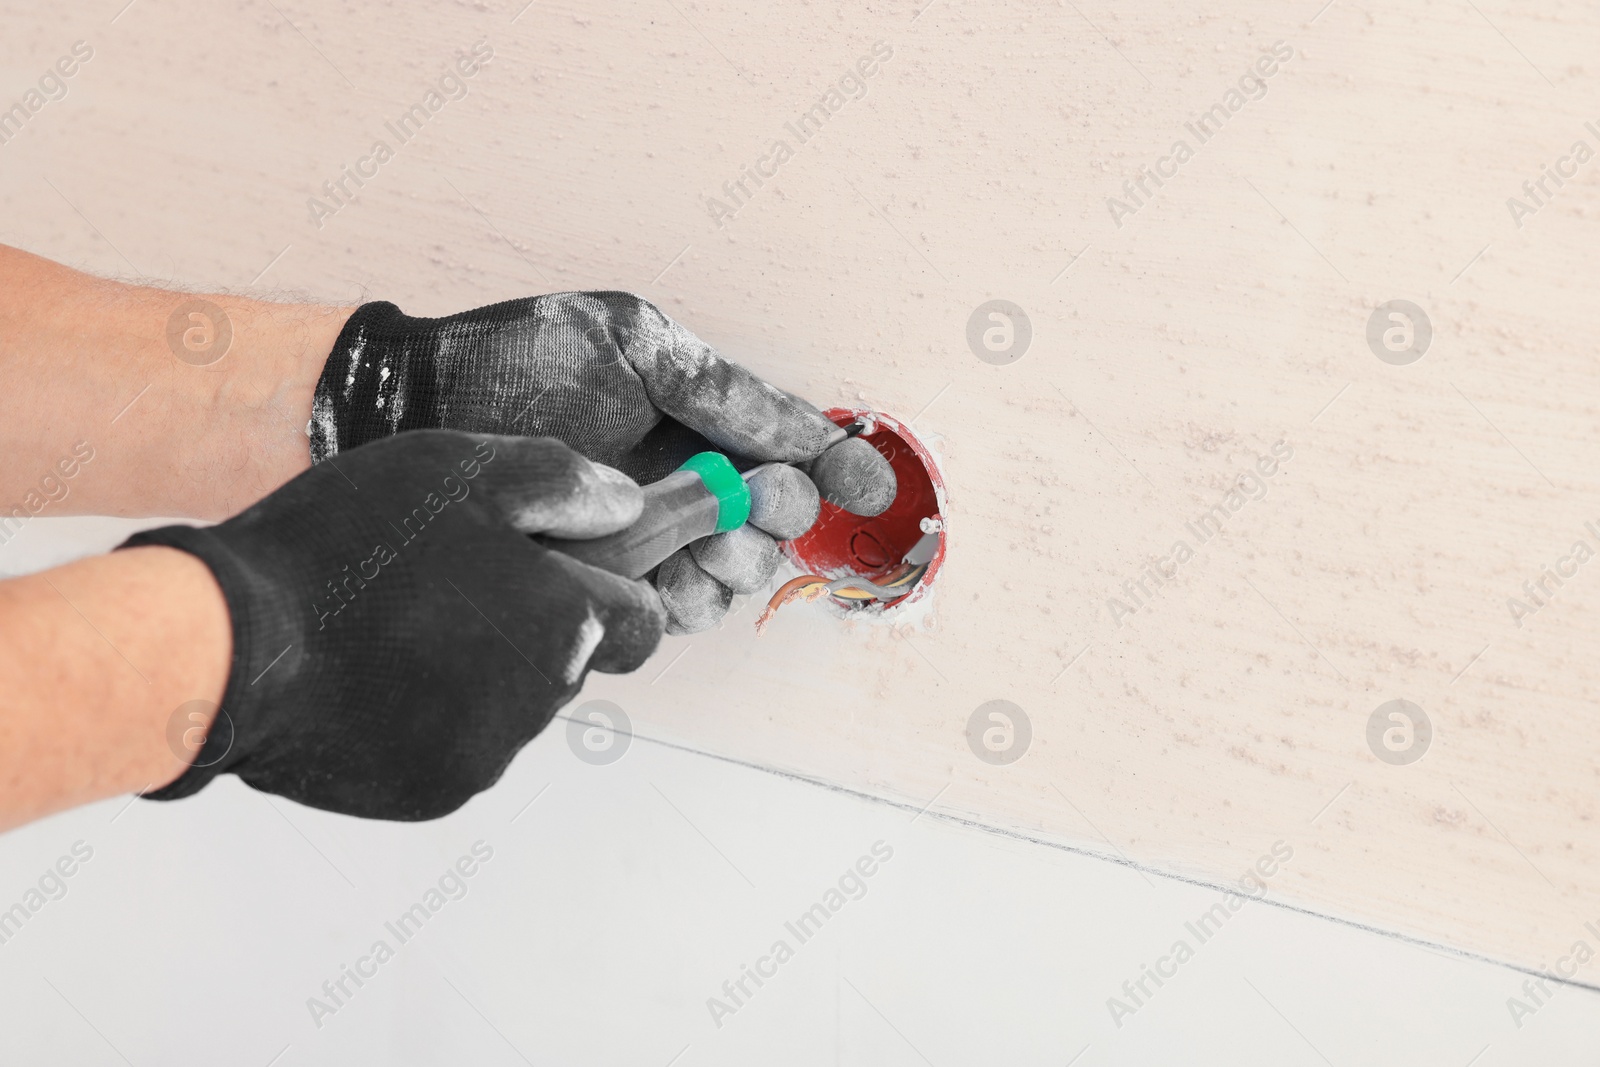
<point>376,382</point>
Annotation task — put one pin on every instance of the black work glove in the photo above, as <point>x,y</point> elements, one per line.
<point>397,636</point>
<point>620,382</point>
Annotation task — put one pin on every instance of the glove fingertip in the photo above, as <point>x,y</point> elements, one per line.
<point>854,476</point>
<point>694,600</point>
<point>743,559</point>
<point>542,486</point>
<point>607,501</point>
<point>783,501</point>
<point>634,620</point>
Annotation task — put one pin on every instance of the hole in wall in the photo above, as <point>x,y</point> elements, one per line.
<point>842,545</point>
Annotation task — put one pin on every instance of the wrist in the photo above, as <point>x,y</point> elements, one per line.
<point>175,404</point>
<point>185,652</point>
<point>255,404</point>
<point>108,707</point>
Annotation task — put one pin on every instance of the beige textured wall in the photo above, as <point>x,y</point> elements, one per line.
<point>1225,315</point>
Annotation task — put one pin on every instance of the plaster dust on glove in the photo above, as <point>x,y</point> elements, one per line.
<point>741,559</point>
<point>694,600</point>
<point>617,380</point>
<point>783,501</point>
<point>853,475</point>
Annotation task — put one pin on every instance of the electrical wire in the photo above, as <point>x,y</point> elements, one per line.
<point>896,584</point>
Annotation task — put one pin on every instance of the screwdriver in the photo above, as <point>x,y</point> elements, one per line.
<point>707,495</point>
<point>704,496</point>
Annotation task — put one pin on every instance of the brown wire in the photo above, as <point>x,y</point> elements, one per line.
<point>810,587</point>
<point>806,587</point>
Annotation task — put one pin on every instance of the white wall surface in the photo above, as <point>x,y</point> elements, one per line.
<point>619,898</point>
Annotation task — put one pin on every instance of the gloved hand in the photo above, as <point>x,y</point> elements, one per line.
<point>620,382</point>
<point>397,636</point>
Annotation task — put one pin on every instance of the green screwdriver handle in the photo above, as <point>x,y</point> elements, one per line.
<point>704,496</point>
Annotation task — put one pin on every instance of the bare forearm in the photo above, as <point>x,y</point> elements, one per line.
<point>176,418</point>
<point>98,660</point>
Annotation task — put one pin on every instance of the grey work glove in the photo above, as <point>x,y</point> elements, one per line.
<point>617,380</point>
<point>397,635</point>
